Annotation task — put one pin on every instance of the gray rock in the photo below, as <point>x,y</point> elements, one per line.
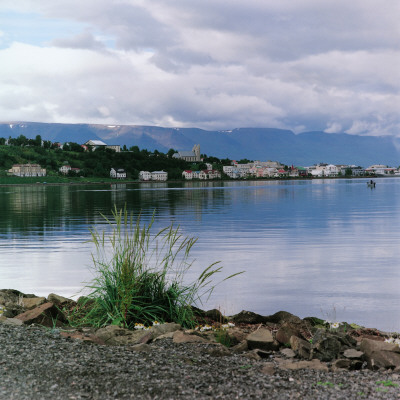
<point>353,353</point>
<point>261,339</point>
<point>115,336</point>
<point>162,329</point>
<point>46,314</point>
<point>380,354</point>
<point>288,353</point>
<point>301,347</point>
<point>28,303</point>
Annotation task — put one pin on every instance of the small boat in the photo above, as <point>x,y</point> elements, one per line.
<point>371,184</point>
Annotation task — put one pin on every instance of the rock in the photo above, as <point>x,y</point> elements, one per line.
<point>12,321</point>
<point>252,355</point>
<point>301,347</point>
<point>141,347</point>
<point>288,353</point>
<point>60,301</point>
<point>282,316</point>
<point>28,303</point>
<point>182,337</point>
<point>285,332</point>
<point>159,330</point>
<point>326,348</point>
<point>248,317</point>
<point>236,335</point>
<point>85,337</point>
<point>46,314</point>
<point>168,335</point>
<point>353,353</point>
<point>115,336</point>
<point>342,363</point>
<point>380,354</point>
<point>219,351</point>
<point>261,339</point>
<point>13,310</point>
<point>240,347</point>
<point>10,297</point>
<point>268,369</point>
<point>313,364</point>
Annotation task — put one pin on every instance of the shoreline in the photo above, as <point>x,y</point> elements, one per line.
<point>272,357</point>
<point>120,181</point>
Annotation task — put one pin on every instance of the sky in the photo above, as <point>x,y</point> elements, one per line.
<point>304,65</point>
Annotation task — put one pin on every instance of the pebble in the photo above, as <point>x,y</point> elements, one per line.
<point>38,364</point>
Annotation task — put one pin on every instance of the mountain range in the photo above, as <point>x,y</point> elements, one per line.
<point>263,144</point>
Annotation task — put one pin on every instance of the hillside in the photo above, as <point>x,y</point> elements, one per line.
<point>253,143</point>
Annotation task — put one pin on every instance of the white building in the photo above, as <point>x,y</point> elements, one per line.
<point>145,175</point>
<point>94,144</point>
<point>27,170</point>
<point>187,174</point>
<point>159,176</point>
<point>117,173</point>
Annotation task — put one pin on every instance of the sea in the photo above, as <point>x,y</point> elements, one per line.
<point>328,248</point>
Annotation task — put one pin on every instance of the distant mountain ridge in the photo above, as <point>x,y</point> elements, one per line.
<point>253,143</point>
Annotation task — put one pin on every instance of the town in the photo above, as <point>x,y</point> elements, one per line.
<point>185,164</point>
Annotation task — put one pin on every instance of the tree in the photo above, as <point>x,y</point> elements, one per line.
<point>38,141</point>
<point>171,152</point>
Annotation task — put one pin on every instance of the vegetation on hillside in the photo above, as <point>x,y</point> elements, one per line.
<point>95,163</point>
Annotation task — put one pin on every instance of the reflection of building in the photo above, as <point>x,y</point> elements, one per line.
<point>27,170</point>
<point>191,156</point>
<point>98,143</point>
<point>117,173</point>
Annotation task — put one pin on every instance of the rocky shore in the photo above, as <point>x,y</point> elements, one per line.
<point>239,357</point>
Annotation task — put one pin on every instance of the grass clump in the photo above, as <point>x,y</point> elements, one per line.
<point>139,276</point>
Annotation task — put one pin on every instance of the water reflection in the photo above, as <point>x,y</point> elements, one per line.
<point>307,246</point>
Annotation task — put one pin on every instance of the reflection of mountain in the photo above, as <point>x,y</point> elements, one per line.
<point>306,148</point>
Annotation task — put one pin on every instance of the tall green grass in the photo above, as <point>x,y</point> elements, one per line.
<point>141,277</point>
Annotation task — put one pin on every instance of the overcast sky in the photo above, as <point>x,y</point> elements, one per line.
<point>331,65</point>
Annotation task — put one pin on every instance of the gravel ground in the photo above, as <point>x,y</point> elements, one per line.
<point>40,364</point>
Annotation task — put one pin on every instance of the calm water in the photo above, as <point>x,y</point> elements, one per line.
<point>308,247</point>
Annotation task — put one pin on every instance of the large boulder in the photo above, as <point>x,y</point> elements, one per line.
<point>282,316</point>
<point>28,303</point>
<point>380,354</point>
<point>261,339</point>
<point>301,347</point>
<point>46,314</point>
<point>248,317</point>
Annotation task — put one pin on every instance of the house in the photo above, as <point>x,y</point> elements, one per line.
<point>144,175</point>
<point>187,174</point>
<point>118,173</point>
<point>66,168</point>
<point>331,170</point>
<point>212,174</point>
<point>27,170</point>
<point>380,170</point>
<point>159,176</point>
<point>352,170</point>
<point>190,156</point>
<point>95,144</point>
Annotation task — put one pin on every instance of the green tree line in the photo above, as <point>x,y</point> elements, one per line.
<point>97,163</point>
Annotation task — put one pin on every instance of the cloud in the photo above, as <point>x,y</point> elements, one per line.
<point>304,65</point>
<point>84,40</point>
